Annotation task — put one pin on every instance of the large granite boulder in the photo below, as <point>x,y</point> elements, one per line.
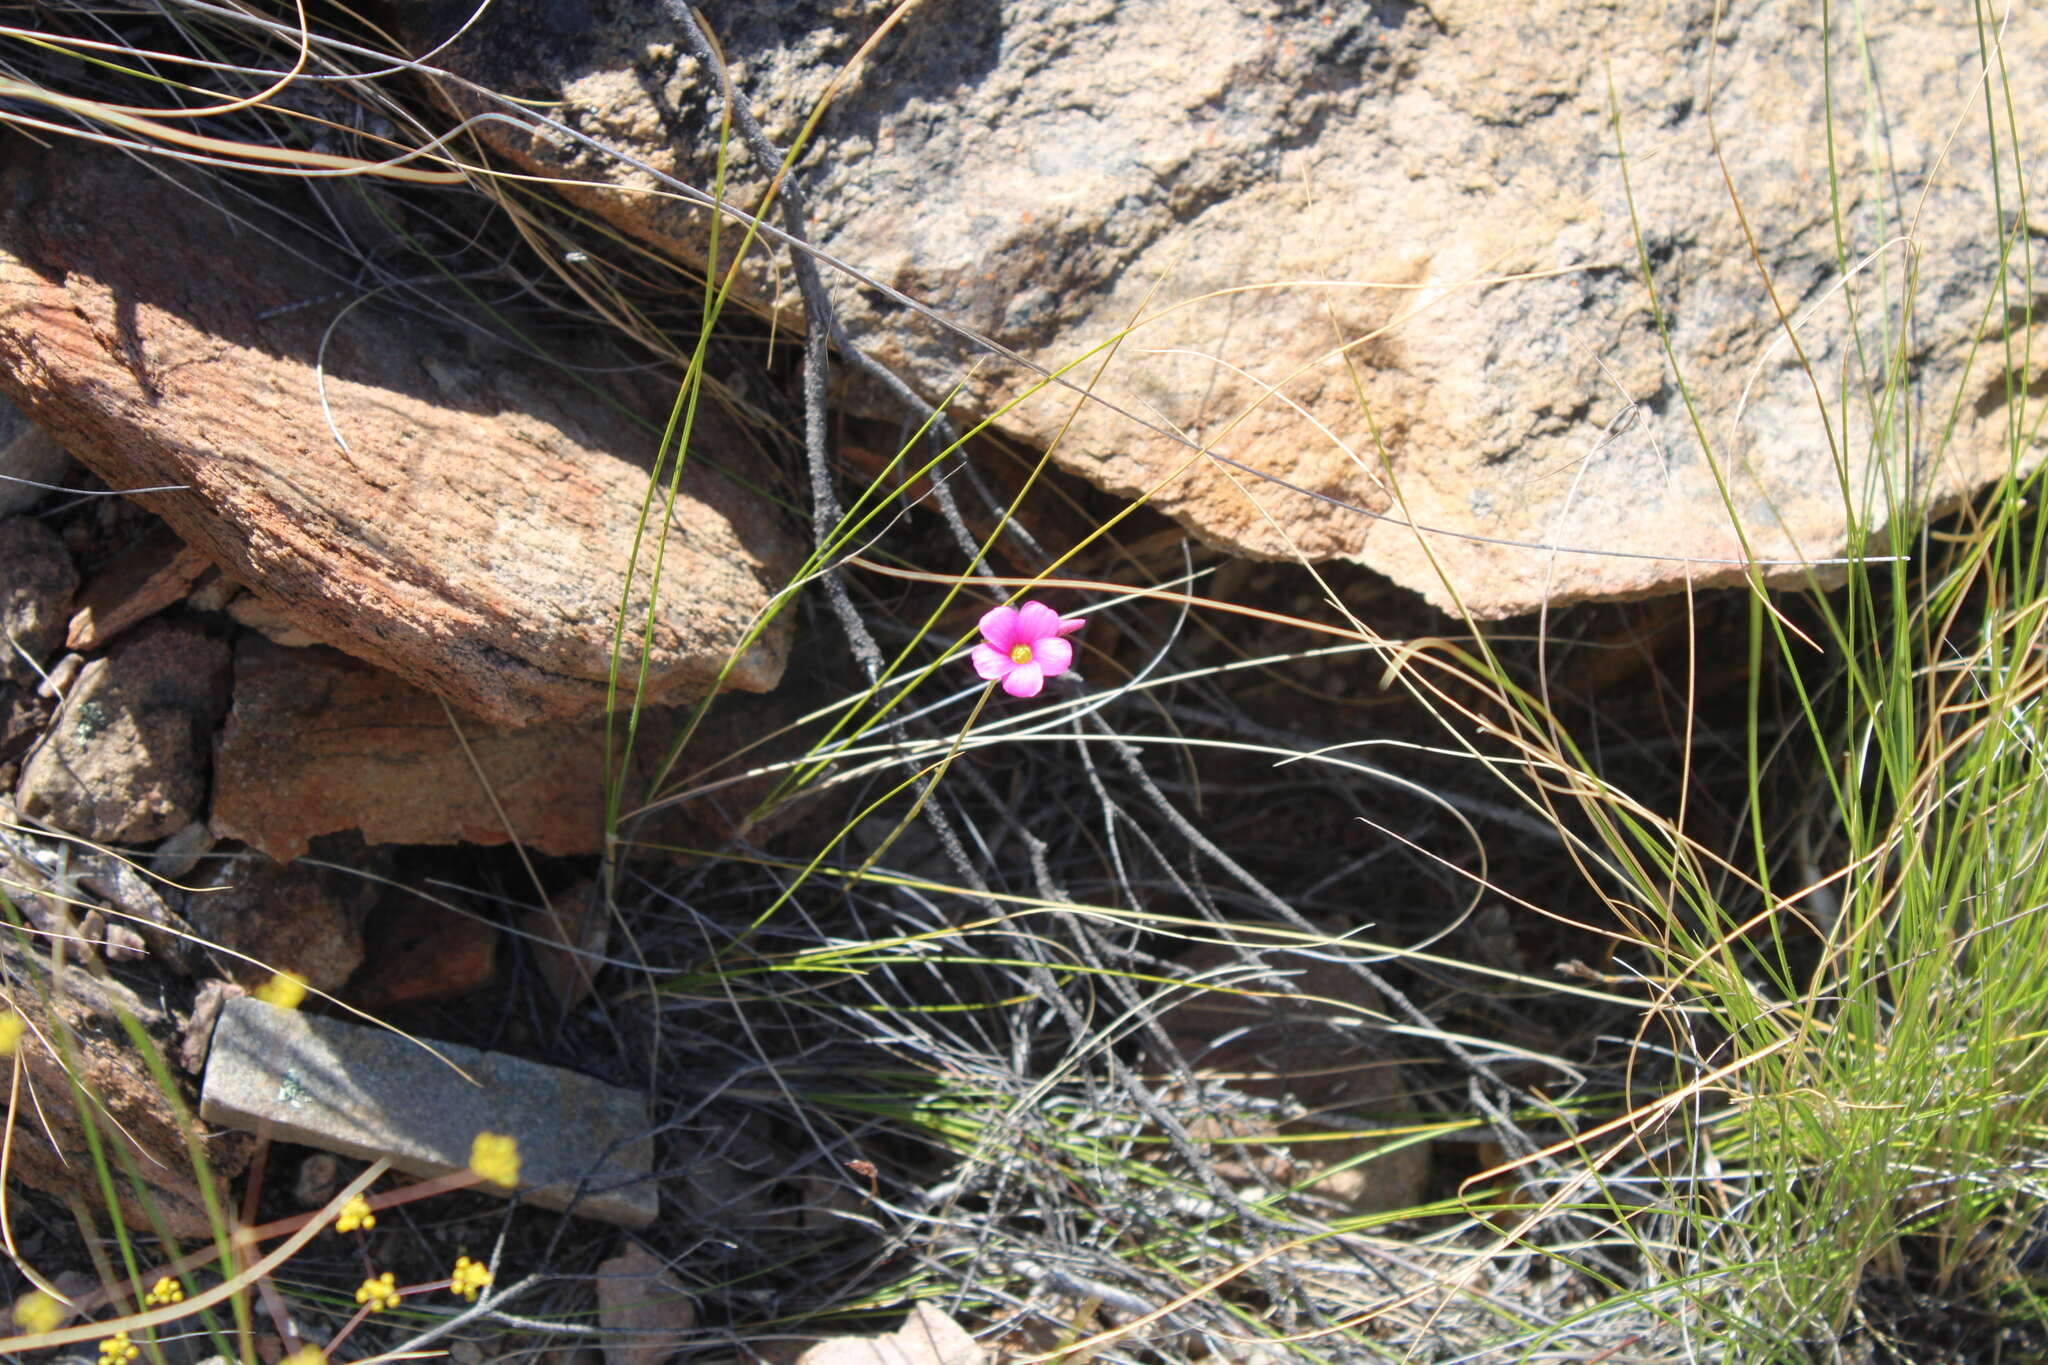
<point>1378,256</point>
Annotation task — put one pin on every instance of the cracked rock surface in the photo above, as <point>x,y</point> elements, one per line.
<point>450,510</point>
<point>1382,258</point>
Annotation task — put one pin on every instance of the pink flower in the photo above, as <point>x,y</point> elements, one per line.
<point>1025,646</point>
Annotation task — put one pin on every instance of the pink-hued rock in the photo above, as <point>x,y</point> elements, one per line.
<point>450,510</point>
<point>423,952</point>
<point>318,742</point>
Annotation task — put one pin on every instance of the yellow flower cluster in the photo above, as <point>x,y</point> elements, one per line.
<point>12,1026</point>
<point>469,1278</point>
<point>355,1214</point>
<point>495,1157</point>
<point>165,1290</point>
<point>284,990</point>
<point>379,1292</point>
<point>305,1355</point>
<point>36,1311</point>
<point>118,1350</point>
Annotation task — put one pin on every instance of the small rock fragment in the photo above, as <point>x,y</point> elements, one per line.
<point>180,853</point>
<point>37,580</point>
<point>640,1299</point>
<point>318,1178</point>
<point>303,920</point>
<point>125,759</point>
<point>133,586</point>
<point>121,943</point>
<point>91,933</point>
<point>258,615</point>
<point>368,1093</point>
<point>59,676</point>
<point>197,1038</point>
<point>928,1337</point>
<point>213,593</point>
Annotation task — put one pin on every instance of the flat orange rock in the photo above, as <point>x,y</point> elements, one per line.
<point>442,506</point>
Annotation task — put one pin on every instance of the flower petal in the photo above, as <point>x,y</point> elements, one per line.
<point>1036,621</point>
<point>1055,656</point>
<point>1024,681</point>
<point>999,628</point>
<point>1070,624</point>
<point>990,663</point>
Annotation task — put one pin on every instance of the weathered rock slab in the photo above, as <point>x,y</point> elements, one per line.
<point>1383,257</point>
<point>49,1145</point>
<point>319,743</point>
<point>450,510</point>
<point>366,1092</point>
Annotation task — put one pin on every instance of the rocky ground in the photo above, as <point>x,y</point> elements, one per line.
<point>325,496</point>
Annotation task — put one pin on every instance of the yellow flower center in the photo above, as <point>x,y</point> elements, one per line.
<point>1021,654</point>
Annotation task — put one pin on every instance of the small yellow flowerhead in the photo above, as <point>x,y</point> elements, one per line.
<point>165,1290</point>
<point>12,1026</point>
<point>36,1311</point>
<point>495,1157</point>
<point>118,1350</point>
<point>305,1355</point>
<point>379,1291</point>
<point>469,1278</point>
<point>284,990</point>
<point>355,1214</point>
